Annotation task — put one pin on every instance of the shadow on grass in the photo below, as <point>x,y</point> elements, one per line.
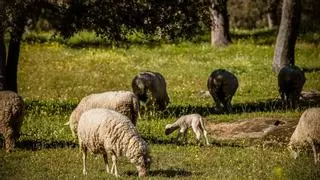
<point>268,105</point>
<point>168,173</point>
<point>308,70</point>
<point>192,142</point>
<point>44,144</point>
<point>262,37</point>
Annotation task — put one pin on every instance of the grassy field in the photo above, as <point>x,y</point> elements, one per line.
<point>55,74</point>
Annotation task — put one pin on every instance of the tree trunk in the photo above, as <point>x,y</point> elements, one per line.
<point>272,14</point>
<point>287,35</point>
<point>220,35</point>
<point>13,54</point>
<point>2,49</point>
<point>272,20</point>
<point>2,62</point>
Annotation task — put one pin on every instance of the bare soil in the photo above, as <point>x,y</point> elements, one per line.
<point>265,131</point>
<point>268,131</point>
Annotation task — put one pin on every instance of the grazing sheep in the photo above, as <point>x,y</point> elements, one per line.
<point>11,117</point>
<point>184,122</point>
<point>104,131</point>
<point>290,81</point>
<point>124,102</point>
<point>307,133</point>
<point>222,85</point>
<point>151,89</point>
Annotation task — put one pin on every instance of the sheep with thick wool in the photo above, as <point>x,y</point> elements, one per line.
<point>307,133</point>
<point>124,102</point>
<point>11,118</point>
<point>222,85</point>
<point>151,89</point>
<point>193,121</point>
<point>104,131</point>
<point>290,81</point>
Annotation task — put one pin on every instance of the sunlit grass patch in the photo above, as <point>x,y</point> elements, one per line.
<point>55,73</point>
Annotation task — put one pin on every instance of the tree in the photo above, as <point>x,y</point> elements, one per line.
<point>220,35</point>
<point>13,18</point>
<point>287,35</point>
<point>272,13</point>
<point>2,47</point>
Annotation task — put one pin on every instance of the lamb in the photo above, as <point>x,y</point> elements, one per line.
<point>151,89</point>
<point>307,133</point>
<point>222,85</point>
<point>104,131</point>
<point>11,118</point>
<point>290,81</point>
<point>124,102</point>
<point>184,122</point>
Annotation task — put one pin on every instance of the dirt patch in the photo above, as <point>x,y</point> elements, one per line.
<point>259,130</point>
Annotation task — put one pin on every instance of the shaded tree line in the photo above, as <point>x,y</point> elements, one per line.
<point>112,19</point>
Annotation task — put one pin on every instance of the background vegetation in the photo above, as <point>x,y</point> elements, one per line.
<point>54,74</point>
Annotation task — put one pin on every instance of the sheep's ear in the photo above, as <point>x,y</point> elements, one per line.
<point>67,123</point>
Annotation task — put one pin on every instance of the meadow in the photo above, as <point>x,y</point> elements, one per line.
<point>54,74</point>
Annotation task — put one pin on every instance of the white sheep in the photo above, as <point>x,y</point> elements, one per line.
<point>151,89</point>
<point>124,102</point>
<point>11,117</point>
<point>105,131</point>
<point>193,121</point>
<point>307,133</point>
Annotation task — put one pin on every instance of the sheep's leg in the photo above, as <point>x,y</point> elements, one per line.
<point>318,152</point>
<point>180,134</point>
<point>105,158</point>
<point>228,106</point>
<point>291,101</point>
<point>185,135</point>
<point>218,103</point>
<point>9,140</point>
<point>205,136</point>
<point>84,158</point>
<point>178,137</point>
<point>295,99</point>
<point>288,100</point>
<point>114,165</point>
<point>198,135</point>
<point>283,100</point>
<point>315,148</point>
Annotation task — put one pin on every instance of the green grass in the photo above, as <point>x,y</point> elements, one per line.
<point>169,161</point>
<point>54,74</point>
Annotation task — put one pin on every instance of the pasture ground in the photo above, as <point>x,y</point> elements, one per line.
<point>55,74</point>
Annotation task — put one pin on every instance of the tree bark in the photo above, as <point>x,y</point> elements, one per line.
<point>14,53</point>
<point>2,62</point>
<point>272,14</point>
<point>287,35</point>
<point>2,48</point>
<point>220,35</point>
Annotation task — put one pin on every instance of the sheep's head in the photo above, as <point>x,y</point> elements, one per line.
<point>294,151</point>
<point>218,80</point>
<point>144,165</point>
<point>169,129</point>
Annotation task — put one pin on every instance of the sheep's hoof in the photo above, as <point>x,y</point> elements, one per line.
<point>85,172</point>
